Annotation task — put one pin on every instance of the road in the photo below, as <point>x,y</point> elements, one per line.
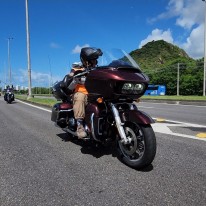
<point>39,165</point>
<point>180,120</point>
<point>177,112</point>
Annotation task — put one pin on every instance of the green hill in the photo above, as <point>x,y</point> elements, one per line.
<point>160,60</point>
<point>159,54</point>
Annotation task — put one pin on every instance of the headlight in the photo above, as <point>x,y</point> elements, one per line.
<point>130,88</point>
<point>138,88</point>
<point>127,88</point>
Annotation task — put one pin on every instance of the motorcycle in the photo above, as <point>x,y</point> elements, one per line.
<point>9,97</point>
<point>112,114</point>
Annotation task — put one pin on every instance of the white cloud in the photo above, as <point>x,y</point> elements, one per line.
<point>173,9</point>
<point>78,48</point>
<point>54,45</point>
<point>157,34</point>
<point>188,13</point>
<point>194,44</point>
<point>189,16</point>
<point>37,78</point>
<point>22,76</point>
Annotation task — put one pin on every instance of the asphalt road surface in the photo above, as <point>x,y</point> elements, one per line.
<point>40,165</point>
<point>186,113</point>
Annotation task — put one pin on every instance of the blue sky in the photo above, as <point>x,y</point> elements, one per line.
<point>60,28</point>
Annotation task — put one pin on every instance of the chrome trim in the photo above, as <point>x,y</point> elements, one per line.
<point>124,139</point>
<point>68,110</point>
<point>92,126</point>
<point>61,111</point>
<point>131,107</point>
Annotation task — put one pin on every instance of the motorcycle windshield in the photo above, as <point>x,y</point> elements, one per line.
<point>117,58</point>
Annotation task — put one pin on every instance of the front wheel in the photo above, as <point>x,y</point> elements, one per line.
<point>9,100</point>
<point>141,151</point>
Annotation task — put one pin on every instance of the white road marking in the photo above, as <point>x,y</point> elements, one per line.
<point>184,123</point>
<point>163,128</point>
<point>157,127</point>
<point>145,107</point>
<point>33,105</point>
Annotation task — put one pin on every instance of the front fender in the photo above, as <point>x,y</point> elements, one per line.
<point>136,116</point>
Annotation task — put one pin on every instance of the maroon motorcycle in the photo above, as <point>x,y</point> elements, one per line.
<point>111,113</point>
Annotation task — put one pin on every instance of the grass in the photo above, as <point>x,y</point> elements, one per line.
<point>43,101</point>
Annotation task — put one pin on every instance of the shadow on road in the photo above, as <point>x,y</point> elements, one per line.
<point>13,102</point>
<point>97,150</point>
<point>88,147</point>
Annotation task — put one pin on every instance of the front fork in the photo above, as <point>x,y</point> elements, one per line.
<point>119,125</point>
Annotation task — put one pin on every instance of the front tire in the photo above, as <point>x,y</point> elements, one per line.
<point>9,101</point>
<point>142,150</point>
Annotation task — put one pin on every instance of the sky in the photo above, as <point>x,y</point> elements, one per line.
<point>60,28</point>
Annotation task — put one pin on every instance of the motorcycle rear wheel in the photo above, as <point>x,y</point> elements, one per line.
<point>142,150</point>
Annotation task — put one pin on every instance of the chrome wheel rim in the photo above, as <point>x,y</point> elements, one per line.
<point>136,148</point>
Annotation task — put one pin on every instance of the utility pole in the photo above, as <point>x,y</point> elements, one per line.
<point>178,78</point>
<point>204,81</point>
<point>9,64</point>
<point>28,49</point>
<point>50,79</point>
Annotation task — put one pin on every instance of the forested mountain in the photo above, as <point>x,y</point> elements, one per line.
<point>160,61</point>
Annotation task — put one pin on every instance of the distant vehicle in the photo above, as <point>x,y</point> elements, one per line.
<point>155,90</point>
<point>9,97</point>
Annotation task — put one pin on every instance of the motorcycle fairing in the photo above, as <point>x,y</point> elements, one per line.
<point>136,116</point>
<point>106,81</point>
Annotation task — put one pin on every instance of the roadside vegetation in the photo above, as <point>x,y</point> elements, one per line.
<point>164,62</point>
<point>43,101</point>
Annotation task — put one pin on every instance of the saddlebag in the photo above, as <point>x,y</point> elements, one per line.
<point>61,112</point>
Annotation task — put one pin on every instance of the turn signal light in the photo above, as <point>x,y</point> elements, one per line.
<point>100,100</point>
